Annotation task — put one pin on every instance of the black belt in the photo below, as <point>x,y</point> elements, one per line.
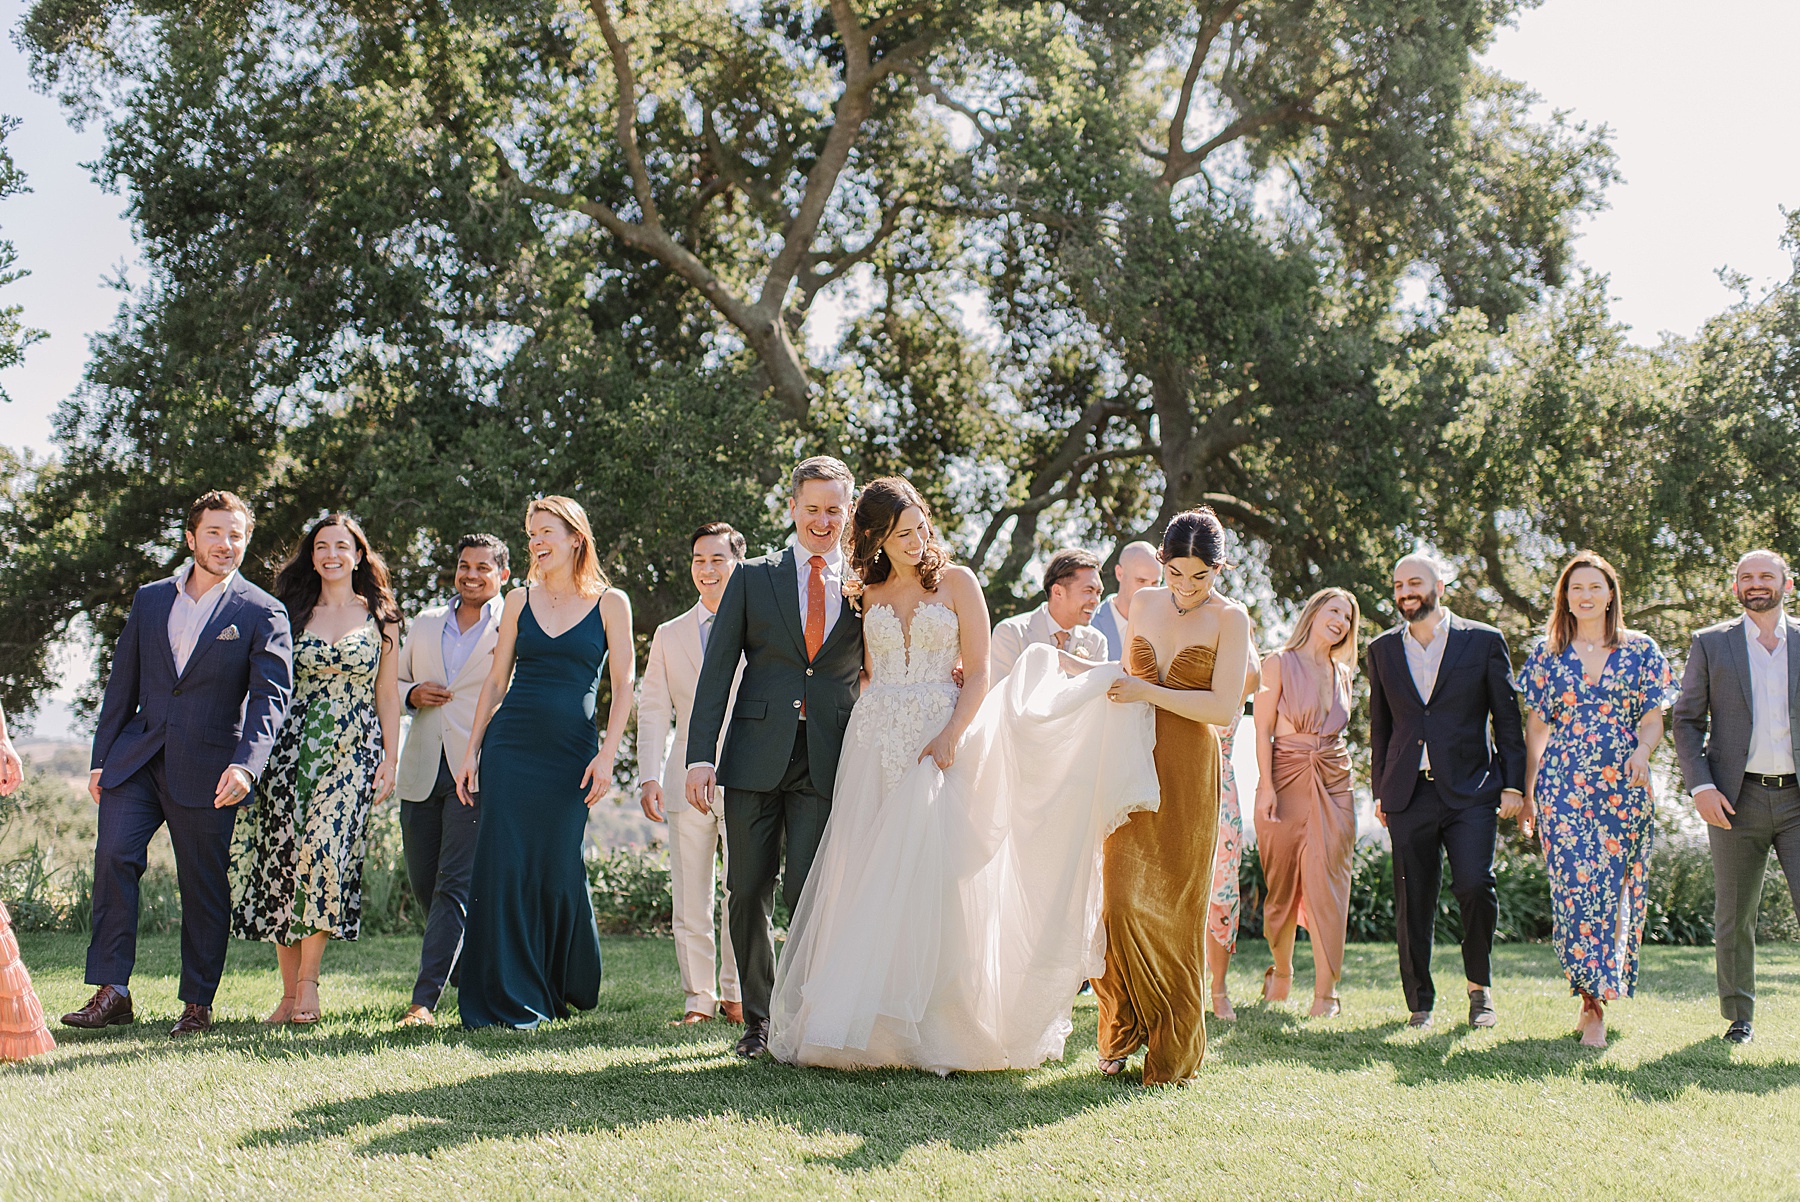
<point>1774,782</point>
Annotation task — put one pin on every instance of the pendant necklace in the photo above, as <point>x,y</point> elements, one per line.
<point>1190,609</point>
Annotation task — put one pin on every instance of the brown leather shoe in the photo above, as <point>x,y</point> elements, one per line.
<point>107,1008</point>
<point>195,1020</point>
<point>691,1018</point>
<point>732,1012</point>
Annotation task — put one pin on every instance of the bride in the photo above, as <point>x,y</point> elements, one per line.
<point>953,909</point>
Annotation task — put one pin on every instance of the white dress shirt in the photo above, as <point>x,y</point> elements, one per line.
<point>833,574</point>
<point>188,617</point>
<point>1771,742</point>
<point>1423,660</point>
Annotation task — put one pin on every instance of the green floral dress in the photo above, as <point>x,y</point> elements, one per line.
<point>297,854</point>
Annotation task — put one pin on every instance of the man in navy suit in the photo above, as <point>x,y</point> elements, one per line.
<point>201,678</point>
<point>1448,761</point>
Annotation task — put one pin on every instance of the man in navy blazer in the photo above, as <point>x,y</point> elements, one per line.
<point>1448,761</point>
<point>200,682</point>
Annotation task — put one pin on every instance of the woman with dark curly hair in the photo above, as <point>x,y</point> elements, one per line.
<point>297,855</point>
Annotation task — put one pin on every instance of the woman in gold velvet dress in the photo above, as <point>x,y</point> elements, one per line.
<point>1187,653</point>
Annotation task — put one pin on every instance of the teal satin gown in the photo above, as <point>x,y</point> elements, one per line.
<point>530,951</point>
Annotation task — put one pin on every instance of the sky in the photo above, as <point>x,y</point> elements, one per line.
<point>1700,100</point>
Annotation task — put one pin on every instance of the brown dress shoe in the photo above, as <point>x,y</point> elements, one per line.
<point>107,1008</point>
<point>732,1012</point>
<point>195,1019</point>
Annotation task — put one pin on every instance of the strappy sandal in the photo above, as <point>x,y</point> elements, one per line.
<point>306,1018</point>
<point>1332,1007</point>
<point>1112,1068</point>
<point>1221,1006</point>
<point>283,1013</point>
<point>1270,976</point>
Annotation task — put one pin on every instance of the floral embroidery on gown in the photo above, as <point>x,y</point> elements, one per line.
<point>1596,829</point>
<point>297,854</point>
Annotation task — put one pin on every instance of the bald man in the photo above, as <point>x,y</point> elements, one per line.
<point>1738,746</point>
<point>1448,759</point>
<point>1138,568</point>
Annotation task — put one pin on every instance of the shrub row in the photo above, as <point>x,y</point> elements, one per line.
<point>630,888</point>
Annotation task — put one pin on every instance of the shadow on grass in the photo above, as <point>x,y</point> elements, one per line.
<point>885,1113</point>
<point>1451,1054</point>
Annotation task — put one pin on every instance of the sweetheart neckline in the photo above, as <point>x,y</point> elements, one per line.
<point>367,622</point>
<point>906,627</point>
<point>1162,677</point>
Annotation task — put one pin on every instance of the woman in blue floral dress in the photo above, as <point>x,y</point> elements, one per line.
<point>1596,692</point>
<point>297,854</point>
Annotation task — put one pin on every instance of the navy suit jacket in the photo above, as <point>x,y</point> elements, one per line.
<point>1470,722</point>
<point>223,710</point>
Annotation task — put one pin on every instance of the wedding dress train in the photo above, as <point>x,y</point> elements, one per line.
<point>951,916</point>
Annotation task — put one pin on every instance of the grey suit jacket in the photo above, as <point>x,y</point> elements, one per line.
<point>1713,716</point>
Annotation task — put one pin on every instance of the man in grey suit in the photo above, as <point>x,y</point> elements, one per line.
<point>1738,746</point>
<point>802,651</point>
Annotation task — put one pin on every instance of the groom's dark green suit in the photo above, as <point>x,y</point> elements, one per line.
<point>777,769</point>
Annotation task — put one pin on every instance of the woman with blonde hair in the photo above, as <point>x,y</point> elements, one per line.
<point>1305,817</point>
<point>530,950</point>
<point>1596,692</point>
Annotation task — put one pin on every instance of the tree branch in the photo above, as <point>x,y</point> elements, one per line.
<point>1495,572</point>
<point>626,79</point>
<point>1210,26</point>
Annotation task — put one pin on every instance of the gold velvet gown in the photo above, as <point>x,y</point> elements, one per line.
<point>1157,872</point>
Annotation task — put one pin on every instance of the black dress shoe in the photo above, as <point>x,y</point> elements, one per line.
<point>195,1020</point>
<point>107,1008</point>
<point>1739,1032</point>
<point>1481,1008</point>
<point>1420,1020</point>
<point>756,1039</point>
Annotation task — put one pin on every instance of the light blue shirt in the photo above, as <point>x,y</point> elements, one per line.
<point>458,645</point>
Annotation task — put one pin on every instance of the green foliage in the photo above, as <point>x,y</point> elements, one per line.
<point>630,887</point>
<point>15,336</point>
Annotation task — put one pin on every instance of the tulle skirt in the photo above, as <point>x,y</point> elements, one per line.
<point>950,917</point>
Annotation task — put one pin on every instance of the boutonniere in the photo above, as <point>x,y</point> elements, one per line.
<point>228,634</point>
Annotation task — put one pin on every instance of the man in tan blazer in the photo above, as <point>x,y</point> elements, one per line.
<point>1072,593</point>
<point>695,840</point>
<point>443,662</point>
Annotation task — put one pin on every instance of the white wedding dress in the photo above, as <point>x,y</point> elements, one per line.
<point>950,917</point>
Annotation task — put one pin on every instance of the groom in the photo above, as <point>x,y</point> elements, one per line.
<point>802,648</point>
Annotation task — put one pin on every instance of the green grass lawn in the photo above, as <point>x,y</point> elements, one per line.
<point>616,1104</point>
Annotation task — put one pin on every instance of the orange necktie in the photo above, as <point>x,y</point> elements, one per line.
<point>1062,639</point>
<point>815,607</point>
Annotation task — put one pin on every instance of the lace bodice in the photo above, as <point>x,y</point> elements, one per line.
<point>935,636</point>
<point>910,694</point>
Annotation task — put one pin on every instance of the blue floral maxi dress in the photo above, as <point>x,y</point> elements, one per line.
<point>297,854</point>
<point>1596,829</point>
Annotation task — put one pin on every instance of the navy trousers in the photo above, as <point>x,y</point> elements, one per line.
<point>129,815</point>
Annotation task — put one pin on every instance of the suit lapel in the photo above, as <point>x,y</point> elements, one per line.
<point>1397,665</point>
<point>1793,666</point>
<point>222,616</point>
<point>157,618</point>
<point>691,647</point>
<point>1739,651</point>
<point>784,577</point>
<point>428,657</point>
<point>1455,647</point>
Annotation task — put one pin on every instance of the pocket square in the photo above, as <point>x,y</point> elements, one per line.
<point>228,634</point>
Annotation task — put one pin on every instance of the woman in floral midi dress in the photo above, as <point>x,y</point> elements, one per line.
<point>297,854</point>
<point>1596,692</point>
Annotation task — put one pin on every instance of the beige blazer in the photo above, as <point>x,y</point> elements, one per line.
<point>438,728</point>
<point>666,700</point>
<point>1012,635</point>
